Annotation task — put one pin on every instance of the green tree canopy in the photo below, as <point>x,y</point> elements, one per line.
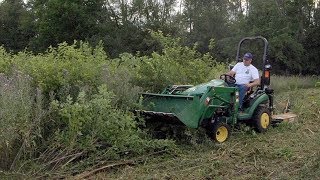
<point>16,27</point>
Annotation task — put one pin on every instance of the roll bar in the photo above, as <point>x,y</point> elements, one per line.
<point>265,60</point>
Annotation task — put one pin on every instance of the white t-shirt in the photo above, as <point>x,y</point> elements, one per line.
<point>245,74</point>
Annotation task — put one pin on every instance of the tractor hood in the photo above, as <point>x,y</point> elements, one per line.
<point>202,88</point>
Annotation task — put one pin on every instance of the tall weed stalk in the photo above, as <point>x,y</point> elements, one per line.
<point>20,116</point>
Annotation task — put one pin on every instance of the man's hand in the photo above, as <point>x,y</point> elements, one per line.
<point>249,85</point>
<point>256,82</point>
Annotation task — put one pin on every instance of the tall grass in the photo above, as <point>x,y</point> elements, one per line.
<point>285,88</point>
<point>289,83</point>
<point>20,114</point>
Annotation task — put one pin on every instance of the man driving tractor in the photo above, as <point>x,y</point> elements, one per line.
<point>214,105</point>
<point>246,76</point>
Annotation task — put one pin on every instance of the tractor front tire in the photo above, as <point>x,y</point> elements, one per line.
<point>261,119</point>
<point>219,131</point>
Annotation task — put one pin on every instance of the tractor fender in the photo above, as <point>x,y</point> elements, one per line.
<point>258,101</point>
<point>263,99</point>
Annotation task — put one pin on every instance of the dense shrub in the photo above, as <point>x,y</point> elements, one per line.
<point>119,76</point>
<point>97,123</point>
<point>5,61</point>
<point>175,65</point>
<point>128,74</point>
<point>75,65</point>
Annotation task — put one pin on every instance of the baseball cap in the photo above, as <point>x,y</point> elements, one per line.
<point>247,56</point>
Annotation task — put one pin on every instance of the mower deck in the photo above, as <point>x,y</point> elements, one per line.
<point>286,117</point>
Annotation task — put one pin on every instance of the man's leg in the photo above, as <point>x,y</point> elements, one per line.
<point>242,92</point>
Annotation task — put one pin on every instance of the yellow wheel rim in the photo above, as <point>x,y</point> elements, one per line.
<point>265,120</point>
<point>222,134</point>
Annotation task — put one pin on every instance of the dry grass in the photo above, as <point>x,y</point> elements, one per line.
<point>288,151</point>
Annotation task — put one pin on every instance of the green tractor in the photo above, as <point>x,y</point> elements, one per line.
<point>214,105</point>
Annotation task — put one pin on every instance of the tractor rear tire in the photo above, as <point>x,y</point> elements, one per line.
<point>219,131</point>
<point>261,119</point>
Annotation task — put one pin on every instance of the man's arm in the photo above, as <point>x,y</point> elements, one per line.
<point>255,82</point>
<point>255,77</point>
<point>231,73</point>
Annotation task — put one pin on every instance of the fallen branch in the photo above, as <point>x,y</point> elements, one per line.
<point>310,131</point>
<point>92,172</point>
<point>56,161</point>
<point>74,157</point>
<point>86,174</point>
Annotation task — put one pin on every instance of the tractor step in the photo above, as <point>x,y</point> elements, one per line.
<point>286,117</point>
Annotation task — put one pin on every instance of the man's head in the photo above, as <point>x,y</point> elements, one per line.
<point>247,59</point>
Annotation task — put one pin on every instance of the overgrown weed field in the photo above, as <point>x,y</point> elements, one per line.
<point>285,151</point>
<point>67,113</point>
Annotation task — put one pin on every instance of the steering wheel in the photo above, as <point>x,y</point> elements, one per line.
<point>228,79</point>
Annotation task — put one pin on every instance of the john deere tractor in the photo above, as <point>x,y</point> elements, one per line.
<point>214,105</point>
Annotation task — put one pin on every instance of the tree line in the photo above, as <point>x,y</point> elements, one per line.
<point>291,26</point>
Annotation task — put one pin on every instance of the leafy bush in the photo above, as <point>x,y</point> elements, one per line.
<point>66,65</point>
<point>118,75</point>
<point>95,124</point>
<point>176,65</point>
<point>5,61</point>
<point>128,74</point>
